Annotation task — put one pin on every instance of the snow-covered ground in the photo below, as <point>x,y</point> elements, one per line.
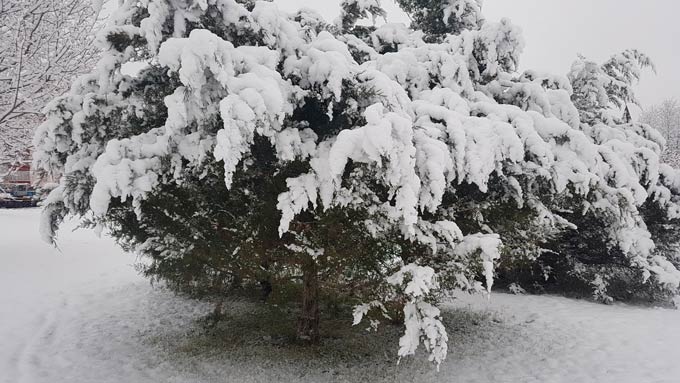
<point>83,314</point>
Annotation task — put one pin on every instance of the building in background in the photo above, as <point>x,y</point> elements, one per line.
<point>20,186</point>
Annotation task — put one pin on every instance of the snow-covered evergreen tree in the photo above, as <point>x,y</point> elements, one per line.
<point>388,163</point>
<point>603,90</point>
<point>585,258</point>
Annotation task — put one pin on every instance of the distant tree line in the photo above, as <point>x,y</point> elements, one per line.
<point>665,117</point>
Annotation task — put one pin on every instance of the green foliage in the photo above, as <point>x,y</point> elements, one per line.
<point>430,16</point>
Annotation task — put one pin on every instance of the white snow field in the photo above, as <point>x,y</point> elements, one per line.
<point>83,314</point>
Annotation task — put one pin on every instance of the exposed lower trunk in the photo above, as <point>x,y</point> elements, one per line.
<point>266,287</point>
<point>217,311</point>
<point>237,281</point>
<point>308,323</point>
<point>266,291</point>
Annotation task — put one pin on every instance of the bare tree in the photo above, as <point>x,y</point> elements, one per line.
<point>665,117</point>
<point>43,45</point>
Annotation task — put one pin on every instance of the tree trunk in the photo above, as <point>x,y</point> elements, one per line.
<point>265,282</point>
<point>308,323</point>
<point>237,281</point>
<point>266,290</point>
<point>217,311</point>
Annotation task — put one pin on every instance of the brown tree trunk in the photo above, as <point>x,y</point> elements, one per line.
<point>308,323</point>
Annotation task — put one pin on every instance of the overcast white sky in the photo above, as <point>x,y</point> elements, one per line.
<point>556,30</point>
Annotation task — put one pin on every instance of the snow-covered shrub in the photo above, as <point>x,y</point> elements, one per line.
<point>389,165</point>
<point>583,258</point>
